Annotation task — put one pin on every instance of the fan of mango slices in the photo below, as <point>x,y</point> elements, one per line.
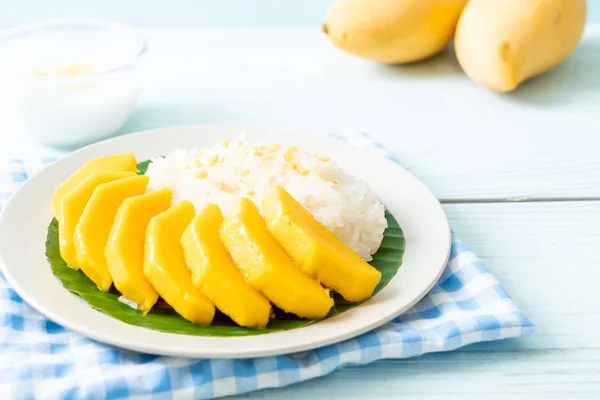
<point>117,232</point>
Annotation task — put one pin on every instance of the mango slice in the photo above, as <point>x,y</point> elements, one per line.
<point>93,228</point>
<point>316,249</point>
<point>72,206</point>
<point>125,247</point>
<point>165,267</point>
<point>121,162</point>
<point>268,268</point>
<point>214,272</point>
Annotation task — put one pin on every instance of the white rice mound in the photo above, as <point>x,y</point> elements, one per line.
<point>232,169</point>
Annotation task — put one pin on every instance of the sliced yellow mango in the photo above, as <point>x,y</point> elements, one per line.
<point>268,268</point>
<point>165,267</point>
<point>122,162</point>
<point>93,228</point>
<point>316,249</point>
<point>72,206</point>
<point>125,247</point>
<point>214,272</point>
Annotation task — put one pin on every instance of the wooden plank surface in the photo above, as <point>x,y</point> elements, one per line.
<point>546,255</point>
<point>520,375</point>
<point>463,141</point>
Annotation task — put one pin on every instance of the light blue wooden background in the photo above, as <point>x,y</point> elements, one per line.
<point>184,13</point>
<point>537,144</point>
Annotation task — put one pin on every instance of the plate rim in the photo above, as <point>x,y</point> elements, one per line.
<point>141,346</point>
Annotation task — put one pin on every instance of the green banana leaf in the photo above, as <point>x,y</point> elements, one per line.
<point>162,318</point>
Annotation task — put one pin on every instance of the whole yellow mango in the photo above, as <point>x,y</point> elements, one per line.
<point>392,31</point>
<point>501,43</point>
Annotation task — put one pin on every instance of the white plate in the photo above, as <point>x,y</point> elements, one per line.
<point>24,222</point>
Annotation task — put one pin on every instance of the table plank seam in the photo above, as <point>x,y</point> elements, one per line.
<point>521,199</point>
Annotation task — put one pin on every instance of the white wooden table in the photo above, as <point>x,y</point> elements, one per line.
<point>519,175</point>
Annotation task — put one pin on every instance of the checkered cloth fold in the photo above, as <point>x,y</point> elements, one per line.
<point>40,359</point>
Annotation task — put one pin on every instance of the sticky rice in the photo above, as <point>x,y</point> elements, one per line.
<point>232,169</point>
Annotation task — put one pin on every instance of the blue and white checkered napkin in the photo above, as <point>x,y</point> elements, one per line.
<point>40,359</point>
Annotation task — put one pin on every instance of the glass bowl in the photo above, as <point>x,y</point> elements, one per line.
<point>70,82</point>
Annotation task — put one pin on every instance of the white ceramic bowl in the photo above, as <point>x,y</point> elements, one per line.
<point>70,82</point>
